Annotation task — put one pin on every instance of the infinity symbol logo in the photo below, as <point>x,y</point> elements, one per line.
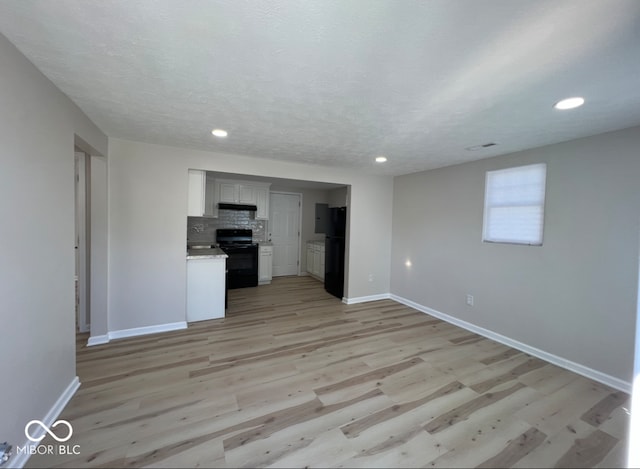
<point>48,430</point>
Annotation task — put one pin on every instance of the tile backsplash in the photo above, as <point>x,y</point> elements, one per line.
<point>203,229</point>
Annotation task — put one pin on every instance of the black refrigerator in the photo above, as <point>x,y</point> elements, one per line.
<point>334,251</point>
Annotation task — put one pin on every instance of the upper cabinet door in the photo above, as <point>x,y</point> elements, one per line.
<point>246,194</point>
<point>210,203</point>
<point>196,193</point>
<point>228,193</point>
<point>262,202</point>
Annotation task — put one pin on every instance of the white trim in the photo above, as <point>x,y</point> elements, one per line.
<point>82,166</point>
<point>98,340</point>
<point>595,375</point>
<point>364,299</point>
<point>21,459</point>
<point>135,332</point>
<point>634,426</point>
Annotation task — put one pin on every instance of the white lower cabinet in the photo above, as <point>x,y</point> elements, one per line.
<point>205,288</point>
<point>309,258</point>
<point>265,265</point>
<point>315,259</point>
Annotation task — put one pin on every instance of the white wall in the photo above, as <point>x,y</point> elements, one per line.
<point>338,197</point>
<point>575,296</point>
<point>147,226</point>
<point>37,128</point>
<point>99,246</point>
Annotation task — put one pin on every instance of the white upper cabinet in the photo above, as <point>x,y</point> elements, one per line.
<point>237,193</point>
<point>201,195</point>
<point>246,194</point>
<point>243,192</point>
<point>211,206</point>
<point>262,201</point>
<point>228,192</point>
<point>196,197</point>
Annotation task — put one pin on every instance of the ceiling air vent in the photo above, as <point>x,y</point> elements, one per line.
<point>480,147</point>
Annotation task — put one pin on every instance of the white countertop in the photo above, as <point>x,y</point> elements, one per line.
<point>212,253</point>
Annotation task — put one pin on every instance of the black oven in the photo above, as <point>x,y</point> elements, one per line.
<point>242,263</point>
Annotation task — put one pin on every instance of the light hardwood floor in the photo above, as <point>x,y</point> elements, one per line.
<point>295,378</point>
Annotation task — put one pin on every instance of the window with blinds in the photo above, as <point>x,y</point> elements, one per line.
<point>514,205</point>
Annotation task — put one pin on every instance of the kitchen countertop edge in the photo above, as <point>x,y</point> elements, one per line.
<point>215,253</point>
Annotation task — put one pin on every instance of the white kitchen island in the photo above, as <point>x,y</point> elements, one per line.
<point>206,277</point>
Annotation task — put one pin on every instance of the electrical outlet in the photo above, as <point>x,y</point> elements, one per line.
<point>371,277</point>
<point>470,300</point>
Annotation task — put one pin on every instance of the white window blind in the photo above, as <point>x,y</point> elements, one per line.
<point>514,205</point>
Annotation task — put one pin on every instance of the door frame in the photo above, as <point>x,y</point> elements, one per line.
<point>82,220</point>
<point>633,456</point>
<point>299,194</point>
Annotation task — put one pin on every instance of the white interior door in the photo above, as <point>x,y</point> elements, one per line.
<point>284,232</point>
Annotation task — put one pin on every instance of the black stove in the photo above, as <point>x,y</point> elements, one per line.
<point>242,263</point>
<point>234,237</point>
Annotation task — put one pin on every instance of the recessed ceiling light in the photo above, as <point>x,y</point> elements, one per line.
<point>381,159</point>
<point>480,147</point>
<point>569,103</point>
<point>219,132</point>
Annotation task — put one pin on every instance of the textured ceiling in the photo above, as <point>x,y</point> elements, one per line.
<point>340,82</point>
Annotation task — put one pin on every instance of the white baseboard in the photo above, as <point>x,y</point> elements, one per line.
<point>135,332</point>
<point>98,340</point>
<point>590,373</point>
<point>21,459</point>
<point>364,299</point>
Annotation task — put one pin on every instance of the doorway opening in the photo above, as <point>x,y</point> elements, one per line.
<point>91,245</point>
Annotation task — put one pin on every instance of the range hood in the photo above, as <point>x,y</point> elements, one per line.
<point>245,207</point>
